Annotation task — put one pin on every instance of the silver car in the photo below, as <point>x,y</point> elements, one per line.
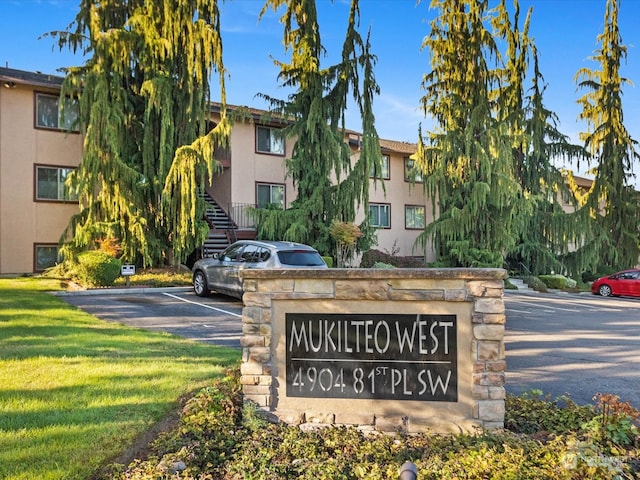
<point>220,272</point>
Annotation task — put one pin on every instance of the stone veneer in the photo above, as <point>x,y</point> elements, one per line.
<point>474,295</point>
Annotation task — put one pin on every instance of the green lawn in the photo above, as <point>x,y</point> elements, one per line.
<point>76,391</point>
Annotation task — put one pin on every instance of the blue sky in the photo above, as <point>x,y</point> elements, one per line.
<point>565,32</point>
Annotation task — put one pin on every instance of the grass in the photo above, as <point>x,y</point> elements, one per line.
<point>75,391</point>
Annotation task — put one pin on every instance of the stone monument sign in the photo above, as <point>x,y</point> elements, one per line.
<point>385,349</point>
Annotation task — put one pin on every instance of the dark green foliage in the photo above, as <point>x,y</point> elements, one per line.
<point>545,440</point>
<point>371,257</point>
<point>532,413</point>
<point>467,159</point>
<point>549,230</point>
<point>535,283</point>
<point>601,271</point>
<point>329,187</point>
<point>97,269</point>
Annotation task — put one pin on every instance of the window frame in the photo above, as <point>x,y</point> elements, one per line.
<point>408,171</point>
<point>271,185</point>
<point>38,245</point>
<point>407,208</point>
<point>36,198</point>
<point>387,206</point>
<point>386,162</point>
<point>270,129</point>
<point>71,128</point>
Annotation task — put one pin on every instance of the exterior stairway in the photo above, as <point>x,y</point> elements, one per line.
<point>219,225</point>
<point>520,285</point>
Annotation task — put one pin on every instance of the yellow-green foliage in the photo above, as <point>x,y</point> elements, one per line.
<point>144,100</point>
<point>346,235</point>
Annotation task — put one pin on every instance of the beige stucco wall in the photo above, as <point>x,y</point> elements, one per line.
<point>237,185</point>
<point>24,222</point>
<point>474,296</point>
<point>249,167</point>
<point>400,193</point>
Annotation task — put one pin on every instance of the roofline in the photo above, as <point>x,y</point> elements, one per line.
<point>9,76</point>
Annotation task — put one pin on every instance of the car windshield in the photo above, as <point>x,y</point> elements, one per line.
<point>300,258</point>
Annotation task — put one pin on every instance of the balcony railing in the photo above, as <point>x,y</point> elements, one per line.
<point>239,214</point>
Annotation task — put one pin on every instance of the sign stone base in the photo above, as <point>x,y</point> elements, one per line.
<point>409,350</point>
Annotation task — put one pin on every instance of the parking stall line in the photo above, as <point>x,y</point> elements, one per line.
<point>227,312</point>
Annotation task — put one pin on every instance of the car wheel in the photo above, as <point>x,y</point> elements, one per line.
<point>200,284</point>
<point>605,290</point>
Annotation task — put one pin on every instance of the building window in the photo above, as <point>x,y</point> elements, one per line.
<point>270,195</point>
<point>414,217</point>
<point>411,174</point>
<point>380,215</point>
<point>384,169</point>
<point>50,113</point>
<point>50,184</point>
<point>45,256</point>
<point>269,140</point>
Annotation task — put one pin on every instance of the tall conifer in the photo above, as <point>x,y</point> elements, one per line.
<point>144,109</point>
<point>612,200</point>
<point>329,185</point>
<point>468,158</point>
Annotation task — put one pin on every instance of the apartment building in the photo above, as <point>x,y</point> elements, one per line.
<point>37,152</point>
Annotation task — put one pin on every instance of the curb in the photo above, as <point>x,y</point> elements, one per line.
<point>120,291</point>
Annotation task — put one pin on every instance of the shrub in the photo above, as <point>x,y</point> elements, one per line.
<point>535,283</point>
<point>614,424</point>
<point>382,265</point>
<point>346,236</point>
<point>371,257</point>
<point>220,438</point>
<point>602,271</point>
<point>558,281</point>
<point>508,285</point>
<point>97,269</point>
<point>533,413</point>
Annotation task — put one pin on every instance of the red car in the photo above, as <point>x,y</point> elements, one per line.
<point>626,282</point>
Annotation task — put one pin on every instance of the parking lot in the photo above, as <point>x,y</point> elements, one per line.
<point>575,344</point>
<point>215,319</point>
<point>557,343</point>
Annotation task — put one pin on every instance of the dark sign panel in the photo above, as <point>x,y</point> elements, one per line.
<point>375,356</point>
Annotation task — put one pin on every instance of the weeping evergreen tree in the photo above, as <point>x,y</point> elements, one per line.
<point>467,160</point>
<point>612,200</point>
<point>550,231</point>
<point>329,185</point>
<point>144,110</point>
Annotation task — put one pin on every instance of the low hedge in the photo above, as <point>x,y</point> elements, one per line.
<point>371,257</point>
<point>558,281</point>
<point>97,269</point>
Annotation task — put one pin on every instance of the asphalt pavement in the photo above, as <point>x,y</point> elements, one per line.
<point>559,344</point>
<point>578,345</point>
<point>215,319</point>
